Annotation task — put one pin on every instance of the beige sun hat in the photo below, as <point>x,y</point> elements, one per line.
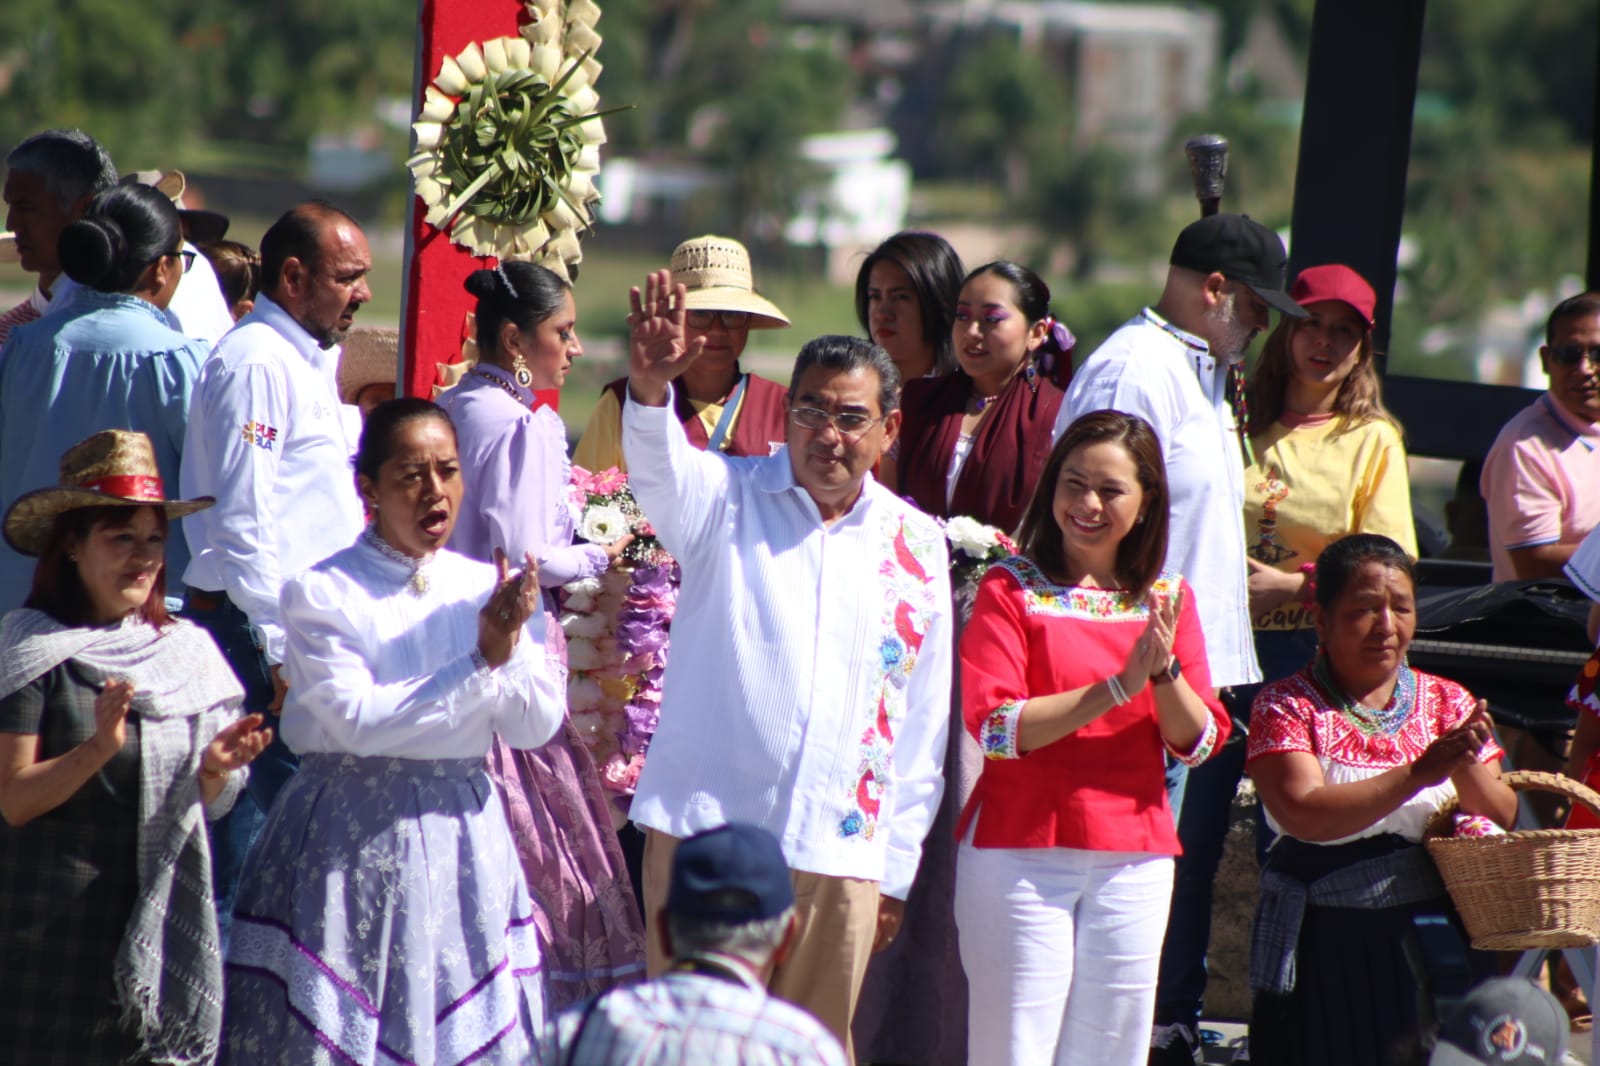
<point>370,355</point>
<point>200,227</point>
<point>113,468</point>
<point>716,271</point>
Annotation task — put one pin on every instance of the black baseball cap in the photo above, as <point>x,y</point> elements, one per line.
<point>1240,249</point>
<point>1507,1020</point>
<point>735,873</point>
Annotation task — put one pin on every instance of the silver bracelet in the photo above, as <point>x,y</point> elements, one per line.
<point>1119,695</point>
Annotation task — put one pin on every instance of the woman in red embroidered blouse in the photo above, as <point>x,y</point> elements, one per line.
<point>1082,663</point>
<point>1351,756</point>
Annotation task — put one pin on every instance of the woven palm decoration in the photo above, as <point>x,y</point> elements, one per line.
<point>508,139</point>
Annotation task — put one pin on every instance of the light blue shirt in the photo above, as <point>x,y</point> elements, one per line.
<point>104,361</point>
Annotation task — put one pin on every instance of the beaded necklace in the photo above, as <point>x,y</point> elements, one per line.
<point>418,583</point>
<point>501,384</point>
<point>1370,721</point>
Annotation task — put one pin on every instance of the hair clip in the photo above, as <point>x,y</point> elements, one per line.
<point>512,289</point>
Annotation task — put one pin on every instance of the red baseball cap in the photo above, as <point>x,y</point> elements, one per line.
<point>1335,281</point>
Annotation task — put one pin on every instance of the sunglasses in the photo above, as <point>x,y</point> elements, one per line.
<point>1573,354</point>
<point>182,253</point>
<point>729,319</point>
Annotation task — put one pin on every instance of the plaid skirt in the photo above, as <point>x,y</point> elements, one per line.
<point>383,918</point>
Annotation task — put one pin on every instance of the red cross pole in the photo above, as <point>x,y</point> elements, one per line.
<point>435,305</point>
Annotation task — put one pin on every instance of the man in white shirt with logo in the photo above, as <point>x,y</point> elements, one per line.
<point>809,688</point>
<point>267,438</point>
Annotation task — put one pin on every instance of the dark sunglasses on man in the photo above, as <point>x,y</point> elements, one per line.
<point>1571,354</point>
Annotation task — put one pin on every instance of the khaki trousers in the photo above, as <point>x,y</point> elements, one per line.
<point>826,964</point>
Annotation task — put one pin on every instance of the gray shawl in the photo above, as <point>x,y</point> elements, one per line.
<point>168,968</point>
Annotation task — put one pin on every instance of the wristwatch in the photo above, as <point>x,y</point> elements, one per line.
<point>1173,671</point>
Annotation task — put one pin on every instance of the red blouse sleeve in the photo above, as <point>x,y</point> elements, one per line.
<point>994,665</point>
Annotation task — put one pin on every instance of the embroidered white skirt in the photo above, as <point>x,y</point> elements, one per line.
<point>383,918</point>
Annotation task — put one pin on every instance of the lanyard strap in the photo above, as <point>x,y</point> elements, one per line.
<point>730,410</point>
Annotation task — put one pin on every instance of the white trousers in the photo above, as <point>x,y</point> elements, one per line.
<point>1061,948</point>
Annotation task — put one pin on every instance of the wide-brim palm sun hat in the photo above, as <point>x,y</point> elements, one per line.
<point>369,355</point>
<point>114,468</point>
<point>199,226</point>
<point>716,271</point>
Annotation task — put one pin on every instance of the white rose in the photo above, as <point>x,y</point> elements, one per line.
<point>583,655</point>
<point>604,524</point>
<point>970,536</point>
<point>592,626</point>
<point>584,694</point>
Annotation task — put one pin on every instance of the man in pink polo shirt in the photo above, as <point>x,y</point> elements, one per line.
<point>1541,478</point>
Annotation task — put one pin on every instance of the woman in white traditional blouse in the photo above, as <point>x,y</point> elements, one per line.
<point>383,914</point>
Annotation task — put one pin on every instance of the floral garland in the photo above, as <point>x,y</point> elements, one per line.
<point>617,627</point>
<point>508,139</point>
<point>974,547</point>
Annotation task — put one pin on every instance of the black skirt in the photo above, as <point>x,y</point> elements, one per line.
<point>1366,979</point>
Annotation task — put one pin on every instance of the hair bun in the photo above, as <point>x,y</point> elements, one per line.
<point>90,249</point>
<point>482,283</point>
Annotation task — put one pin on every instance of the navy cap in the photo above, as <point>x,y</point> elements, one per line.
<point>1240,249</point>
<point>1504,1020</point>
<point>734,873</point>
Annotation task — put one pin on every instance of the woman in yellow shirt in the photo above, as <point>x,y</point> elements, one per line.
<point>1328,461</point>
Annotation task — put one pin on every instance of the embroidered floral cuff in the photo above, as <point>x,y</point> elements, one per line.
<point>1202,748</point>
<point>998,734</point>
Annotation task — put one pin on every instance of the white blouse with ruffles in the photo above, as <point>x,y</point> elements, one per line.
<point>374,668</point>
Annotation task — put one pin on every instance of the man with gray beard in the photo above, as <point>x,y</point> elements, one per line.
<point>1170,366</point>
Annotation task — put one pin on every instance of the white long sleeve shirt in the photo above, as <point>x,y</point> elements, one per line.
<point>268,440</point>
<point>1169,378</point>
<point>808,687</point>
<point>374,668</point>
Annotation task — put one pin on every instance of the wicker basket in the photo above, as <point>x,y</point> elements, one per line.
<point>1534,888</point>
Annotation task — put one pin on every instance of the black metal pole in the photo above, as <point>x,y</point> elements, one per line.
<point>1355,141</point>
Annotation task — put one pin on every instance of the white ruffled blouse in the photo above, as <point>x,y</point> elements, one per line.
<point>376,667</point>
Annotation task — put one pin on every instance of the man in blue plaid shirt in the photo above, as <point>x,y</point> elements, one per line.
<point>729,920</point>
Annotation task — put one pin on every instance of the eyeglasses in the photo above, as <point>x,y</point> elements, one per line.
<point>187,257</point>
<point>1573,354</point>
<point>851,426</point>
<point>729,319</point>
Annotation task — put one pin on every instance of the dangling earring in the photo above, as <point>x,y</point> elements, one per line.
<point>519,368</point>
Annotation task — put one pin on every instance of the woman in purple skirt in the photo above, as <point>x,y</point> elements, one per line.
<point>514,456</point>
<point>382,916</point>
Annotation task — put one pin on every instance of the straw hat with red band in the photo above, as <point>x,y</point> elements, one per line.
<point>1335,281</point>
<point>115,468</point>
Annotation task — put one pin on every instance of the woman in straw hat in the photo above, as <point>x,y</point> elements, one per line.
<point>120,736</point>
<point>108,359</point>
<point>515,453</point>
<point>382,916</point>
<point>722,408</point>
